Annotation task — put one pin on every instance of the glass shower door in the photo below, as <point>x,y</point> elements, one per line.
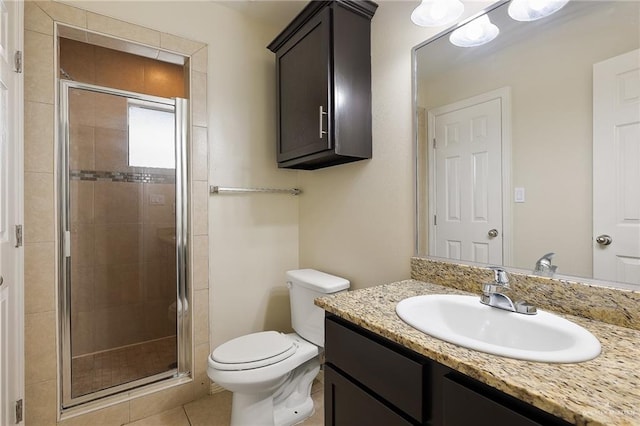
<point>123,227</point>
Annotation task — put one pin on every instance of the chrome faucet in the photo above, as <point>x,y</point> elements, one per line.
<point>544,268</point>
<point>494,294</point>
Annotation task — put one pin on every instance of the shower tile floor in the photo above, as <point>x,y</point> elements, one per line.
<point>91,373</point>
<point>215,410</point>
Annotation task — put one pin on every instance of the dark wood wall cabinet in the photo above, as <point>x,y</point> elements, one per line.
<point>323,67</point>
<point>372,381</point>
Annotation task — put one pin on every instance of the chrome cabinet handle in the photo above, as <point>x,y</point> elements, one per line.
<point>322,132</point>
<point>604,240</point>
<point>493,233</point>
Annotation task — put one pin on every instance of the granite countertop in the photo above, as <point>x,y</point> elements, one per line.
<point>603,391</point>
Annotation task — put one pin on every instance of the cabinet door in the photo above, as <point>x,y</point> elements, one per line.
<point>386,372</point>
<point>463,406</point>
<point>346,404</point>
<point>303,69</point>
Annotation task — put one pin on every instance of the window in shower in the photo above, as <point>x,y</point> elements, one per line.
<point>122,185</point>
<point>151,129</point>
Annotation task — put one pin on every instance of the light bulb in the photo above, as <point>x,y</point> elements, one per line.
<point>530,10</point>
<point>438,11</point>
<point>475,33</point>
<point>434,13</point>
<point>538,5</point>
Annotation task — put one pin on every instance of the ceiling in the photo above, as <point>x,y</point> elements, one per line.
<point>272,12</point>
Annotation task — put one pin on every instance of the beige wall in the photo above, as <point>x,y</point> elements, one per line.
<point>551,127</point>
<point>353,220</point>
<point>255,237</point>
<point>356,220</point>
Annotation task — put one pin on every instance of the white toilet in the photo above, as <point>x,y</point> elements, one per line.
<point>270,373</point>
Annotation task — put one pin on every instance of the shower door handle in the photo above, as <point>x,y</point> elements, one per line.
<point>67,244</point>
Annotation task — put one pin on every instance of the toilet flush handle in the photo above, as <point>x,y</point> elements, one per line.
<point>289,285</point>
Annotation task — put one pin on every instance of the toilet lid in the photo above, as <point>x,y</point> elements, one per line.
<point>253,351</point>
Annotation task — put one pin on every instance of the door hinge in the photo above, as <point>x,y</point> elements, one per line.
<point>434,143</point>
<point>18,61</point>
<point>18,236</point>
<point>19,411</point>
<point>435,220</point>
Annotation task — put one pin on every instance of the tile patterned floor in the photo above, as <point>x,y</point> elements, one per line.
<point>91,373</point>
<point>215,410</point>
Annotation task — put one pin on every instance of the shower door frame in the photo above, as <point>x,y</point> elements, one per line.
<point>183,320</point>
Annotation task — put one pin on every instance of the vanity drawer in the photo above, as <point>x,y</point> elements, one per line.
<point>350,405</point>
<point>387,373</point>
<point>467,402</point>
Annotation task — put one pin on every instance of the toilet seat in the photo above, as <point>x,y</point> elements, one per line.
<point>253,351</point>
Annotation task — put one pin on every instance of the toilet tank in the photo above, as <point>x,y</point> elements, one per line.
<point>304,286</point>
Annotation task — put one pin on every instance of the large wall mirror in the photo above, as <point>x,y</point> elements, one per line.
<point>530,144</point>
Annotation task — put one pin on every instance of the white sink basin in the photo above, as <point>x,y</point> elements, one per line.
<point>464,321</point>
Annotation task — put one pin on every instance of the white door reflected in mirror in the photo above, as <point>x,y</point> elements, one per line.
<point>616,168</point>
<point>466,174</point>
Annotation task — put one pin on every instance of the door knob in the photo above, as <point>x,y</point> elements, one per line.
<point>604,240</point>
<point>493,233</point>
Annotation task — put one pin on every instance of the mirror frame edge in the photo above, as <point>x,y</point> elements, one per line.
<point>414,109</point>
<point>416,186</point>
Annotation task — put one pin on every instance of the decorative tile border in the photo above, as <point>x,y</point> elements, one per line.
<point>614,306</point>
<point>91,175</point>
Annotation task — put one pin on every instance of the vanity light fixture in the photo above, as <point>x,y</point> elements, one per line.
<point>531,10</point>
<point>475,33</point>
<point>435,13</point>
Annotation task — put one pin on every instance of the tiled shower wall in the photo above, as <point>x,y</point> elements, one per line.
<point>112,68</point>
<point>123,277</point>
<point>41,404</point>
<point>123,273</point>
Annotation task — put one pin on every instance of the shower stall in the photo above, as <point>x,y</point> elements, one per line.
<point>122,186</point>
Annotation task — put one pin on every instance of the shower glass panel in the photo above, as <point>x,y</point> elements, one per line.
<point>123,234</point>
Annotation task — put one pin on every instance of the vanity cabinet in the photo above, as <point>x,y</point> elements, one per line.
<point>371,380</point>
<point>323,68</point>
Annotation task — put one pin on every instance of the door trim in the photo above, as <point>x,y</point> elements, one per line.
<point>15,381</point>
<point>504,94</point>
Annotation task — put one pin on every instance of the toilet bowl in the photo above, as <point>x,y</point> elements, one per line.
<point>271,373</point>
<point>254,382</point>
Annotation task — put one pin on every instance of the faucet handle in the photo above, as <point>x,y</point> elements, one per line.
<point>547,256</point>
<point>544,267</point>
<point>527,308</point>
<point>500,276</point>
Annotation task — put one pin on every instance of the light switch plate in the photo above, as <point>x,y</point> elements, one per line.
<point>518,196</point>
